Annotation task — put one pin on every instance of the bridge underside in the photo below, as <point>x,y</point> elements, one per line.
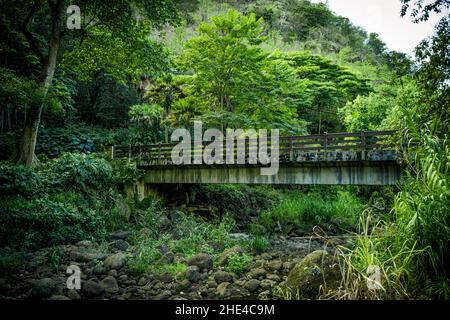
<point>323,173</point>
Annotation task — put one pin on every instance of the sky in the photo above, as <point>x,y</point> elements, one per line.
<point>383,17</point>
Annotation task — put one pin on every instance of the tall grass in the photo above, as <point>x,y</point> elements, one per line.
<point>422,211</point>
<point>374,268</point>
<point>412,251</point>
<point>314,208</point>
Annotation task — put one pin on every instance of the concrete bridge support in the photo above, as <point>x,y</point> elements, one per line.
<point>320,173</point>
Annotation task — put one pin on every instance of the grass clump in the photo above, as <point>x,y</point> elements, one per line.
<point>306,210</point>
<point>238,262</point>
<point>190,235</point>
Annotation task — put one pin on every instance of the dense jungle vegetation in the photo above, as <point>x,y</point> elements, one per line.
<point>137,70</point>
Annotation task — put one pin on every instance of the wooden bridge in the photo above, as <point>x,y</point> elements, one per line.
<point>362,158</point>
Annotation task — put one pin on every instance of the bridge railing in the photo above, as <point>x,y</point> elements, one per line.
<point>357,146</point>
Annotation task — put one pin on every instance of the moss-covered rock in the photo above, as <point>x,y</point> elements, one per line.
<point>223,257</point>
<point>314,275</point>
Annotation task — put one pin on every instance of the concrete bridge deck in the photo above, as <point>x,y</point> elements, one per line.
<point>363,158</point>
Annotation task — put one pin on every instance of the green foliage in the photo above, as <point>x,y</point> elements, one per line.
<point>434,74</point>
<point>177,270</point>
<point>126,172</point>
<point>12,261</point>
<point>259,243</point>
<point>144,259</point>
<point>53,141</point>
<point>190,235</point>
<point>422,218</point>
<point>7,145</point>
<point>226,61</point>
<point>104,101</point>
<point>240,201</point>
<point>196,235</point>
<point>238,262</point>
<point>328,85</point>
<point>421,10</point>
<point>41,222</point>
<point>78,171</point>
<point>413,249</point>
<point>369,252</point>
<point>147,119</point>
<point>369,112</point>
<point>18,180</point>
<point>305,210</point>
<point>67,199</point>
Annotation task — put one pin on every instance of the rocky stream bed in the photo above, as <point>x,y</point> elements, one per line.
<point>104,274</point>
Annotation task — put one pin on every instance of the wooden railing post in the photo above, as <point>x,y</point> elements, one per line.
<point>291,149</point>
<point>363,145</point>
<point>159,154</point>
<point>325,146</point>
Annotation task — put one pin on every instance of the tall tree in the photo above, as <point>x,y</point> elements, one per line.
<point>328,85</point>
<point>242,85</point>
<point>421,9</point>
<point>42,24</point>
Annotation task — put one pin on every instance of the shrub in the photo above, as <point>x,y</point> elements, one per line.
<point>12,261</point>
<point>42,222</point>
<point>18,180</point>
<point>145,257</point>
<point>243,202</point>
<point>196,235</point>
<point>259,244</point>
<point>78,171</point>
<point>8,142</point>
<point>310,209</point>
<point>238,262</point>
<point>177,270</point>
<point>125,172</point>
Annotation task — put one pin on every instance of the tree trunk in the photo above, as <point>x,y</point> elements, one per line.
<point>27,143</point>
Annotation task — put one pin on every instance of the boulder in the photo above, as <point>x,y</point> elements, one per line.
<point>315,274</point>
<point>84,243</point>
<point>202,261</point>
<point>73,295</point>
<point>84,254</point>
<point>275,265</point>
<point>222,276</point>
<point>258,273</point>
<point>267,284</point>
<point>193,274</point>
<point>115,261</point>
<point>211,284</point>
<point>93,289</point>
<point>99,269</point>
<point>273,277</point>
<point>119,235</point>
<point>183,286</point>
<point>42,288</point>
<point>120,245</point>
<point>252,285</point>
<point>223,290</point>
<point>167,258</point>
<point>166,277</point>
<point>164,222</point>
<point>110,284</point>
